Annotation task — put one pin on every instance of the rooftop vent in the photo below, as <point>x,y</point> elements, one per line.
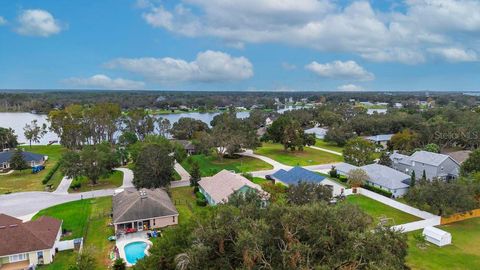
<point>143,194</point>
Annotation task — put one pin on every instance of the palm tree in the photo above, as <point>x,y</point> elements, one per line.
<point>182,261</point>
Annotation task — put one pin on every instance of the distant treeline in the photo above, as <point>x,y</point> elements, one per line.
<point>44,101</point>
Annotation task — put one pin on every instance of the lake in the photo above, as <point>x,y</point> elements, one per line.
<point>17,121</point>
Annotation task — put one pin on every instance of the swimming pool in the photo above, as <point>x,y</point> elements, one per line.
<point>135,251</point>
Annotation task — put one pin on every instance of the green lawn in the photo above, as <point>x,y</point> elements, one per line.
<point>115,179</point>
<point>328,145</point>
<point>376,210</point>
<point>85,218</point>
<point>63,260</point>
<point>210,165</point>
<point>25,180</point>
<point>464,253</point>
<point>306,157</point>
<point>185,202</point>
<point>259,180</point>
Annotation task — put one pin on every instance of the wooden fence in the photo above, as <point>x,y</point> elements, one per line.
<point>460,216</point>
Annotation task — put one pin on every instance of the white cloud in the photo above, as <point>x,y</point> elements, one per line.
<point>456,54</point>
<point>2,21</point>
<point>37,22</point>
<point>105,82</point>
<point>404,36</point>
<point>209,66</point>
<point>340,70</point>
<point>350,87</point>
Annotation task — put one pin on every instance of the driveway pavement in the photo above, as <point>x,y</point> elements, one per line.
<point>185,176</point>
<point>24,204</point>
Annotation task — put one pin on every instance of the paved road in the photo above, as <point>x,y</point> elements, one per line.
<point>25,204</point>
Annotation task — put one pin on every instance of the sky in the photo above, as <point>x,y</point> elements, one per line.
<point>247,45</point>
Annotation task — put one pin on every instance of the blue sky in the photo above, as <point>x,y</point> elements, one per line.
<point>322,45</point>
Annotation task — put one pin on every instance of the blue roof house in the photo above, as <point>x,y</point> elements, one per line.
<point>295,175</point>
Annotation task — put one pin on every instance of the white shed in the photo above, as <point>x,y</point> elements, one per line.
<point>437,236</point>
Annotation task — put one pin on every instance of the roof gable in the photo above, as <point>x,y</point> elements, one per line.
<point>386,176</point>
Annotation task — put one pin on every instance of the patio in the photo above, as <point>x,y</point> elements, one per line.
<point>16,265</point>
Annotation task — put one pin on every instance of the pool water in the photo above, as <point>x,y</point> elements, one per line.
<point>135,251</point>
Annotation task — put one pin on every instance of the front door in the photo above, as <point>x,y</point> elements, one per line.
<point>140,225</point>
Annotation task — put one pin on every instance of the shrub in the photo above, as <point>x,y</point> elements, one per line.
<point>201,202</point>
<point>378,190</point>
<point>249,176</point>
<point>342,178</point>
<point>76,184</point>
<point>50,174</point>
<point>199,195</point>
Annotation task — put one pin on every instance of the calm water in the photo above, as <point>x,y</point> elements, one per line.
<point>17,121</point>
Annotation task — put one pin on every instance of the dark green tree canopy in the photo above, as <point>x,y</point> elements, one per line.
<point>154,166</point>
<point>185,128</point>
<point>17,162</point>
<point>359,152</point>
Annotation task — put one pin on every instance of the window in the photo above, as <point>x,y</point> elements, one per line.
<point>18,257</point>
<point>173,218</point>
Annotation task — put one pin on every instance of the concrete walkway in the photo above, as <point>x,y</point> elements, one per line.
<point>63,186</point>
<point>184,175</point>
<point>326,150</point>
<point>127,177</point>
<point>276,165</point>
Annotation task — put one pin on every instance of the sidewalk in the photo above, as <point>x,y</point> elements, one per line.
<point>326,150</point>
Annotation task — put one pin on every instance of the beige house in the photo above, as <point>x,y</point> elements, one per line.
<point>27,244</point>
<point>143,209</point>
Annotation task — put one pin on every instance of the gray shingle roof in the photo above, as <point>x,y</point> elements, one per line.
<point>129,205</point>
<point>386,176</point>
<point>344,168</point>
<point>428,157</point>
<point>27,156</point>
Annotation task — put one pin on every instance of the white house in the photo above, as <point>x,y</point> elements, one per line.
<point>318,131</point>
<point>436,236</point>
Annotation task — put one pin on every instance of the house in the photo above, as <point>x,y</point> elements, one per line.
<point>381,139</point>
<point>398,105</point>
<point>387,179</point>
<point>434,165</point>
<point>437,236</point>
<point>318,131</point>
<point>268,121</point>
<point>187,145</point>
<point>31,158</point>
<point>380,176</point>
<point>460,156</point>
<point>142,209</point>
<point>378,111</point>
<point>218,188</point>
<point>27,244</point>
<point>297,174</point>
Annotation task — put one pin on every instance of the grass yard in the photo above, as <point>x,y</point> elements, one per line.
<point>185,202</point>
<point>464,253</point>
<point>306,157</point>
<point>114,180</point>
<point>85,218</point>
<point>376,210</point>
<point>210,165</point>
<point>63,260</point>
<point>328,145</point>
<point>25,180</point>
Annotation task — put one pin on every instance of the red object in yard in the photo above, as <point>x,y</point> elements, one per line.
<point>131,230</point>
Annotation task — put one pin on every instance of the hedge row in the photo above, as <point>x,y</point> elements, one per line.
<point>50,174</point>
<point>201,200</point>
<point>378,190</point>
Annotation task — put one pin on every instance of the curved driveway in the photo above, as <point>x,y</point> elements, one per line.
<point>26,204</point>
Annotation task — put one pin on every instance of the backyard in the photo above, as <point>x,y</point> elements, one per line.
<point>464,253</point>
<point>114,180</point>
<point>85,218</point>
<point>210,165</point>
<point>378,210</point>
<point>306,157</point>
<point>27,181</point>
<point>185,202</point>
